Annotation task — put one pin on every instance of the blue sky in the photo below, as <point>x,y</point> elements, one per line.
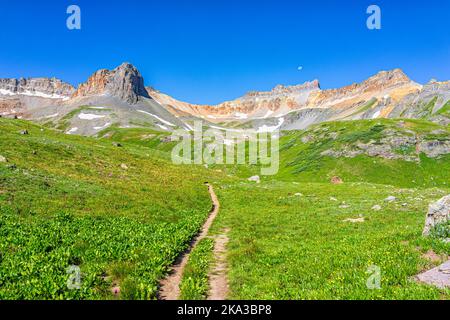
<point>211,51</point>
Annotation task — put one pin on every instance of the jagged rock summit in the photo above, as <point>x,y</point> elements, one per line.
<point>124,82</point>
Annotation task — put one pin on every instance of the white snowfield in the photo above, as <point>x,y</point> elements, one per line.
<point>376,114</point>
<point>52,116</point>
<point>158,118</point>
<point>162,127</point>
<point>106,125</point>
<point>268,114</point>
<point>240,115</point>
<point>33,94</point>
<point>265,128</point>
<point>89,116</point>
<point>73,130</point>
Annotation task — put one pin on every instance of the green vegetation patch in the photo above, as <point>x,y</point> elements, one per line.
<point>194,285</point>
<point>119,214</point>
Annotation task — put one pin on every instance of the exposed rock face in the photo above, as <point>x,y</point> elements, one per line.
<point>438,212</point>
<point>124,82</point>
<point>425,104</point>
<point>384,80</point>
<point>39,87</point>
<point>254,104</point>
<point>395,145</point>
<point>11,106</point>
<point>373,98</point>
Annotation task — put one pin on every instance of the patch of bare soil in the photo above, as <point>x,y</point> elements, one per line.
<point>218,282</point>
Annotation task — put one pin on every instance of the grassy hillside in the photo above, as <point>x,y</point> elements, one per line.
<point>303,159</point>
<point>293,241</point>
<point>122,214</point>
<point>304,155</point>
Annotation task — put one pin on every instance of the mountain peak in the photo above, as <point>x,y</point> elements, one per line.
<point>124,82</point>
<point>281,89</point>
<point>390,77</point>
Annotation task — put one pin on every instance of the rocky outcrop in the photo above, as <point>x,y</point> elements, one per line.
<point>395,145</point>
<point>38,87</point>
<point>438,212</point>
<point>11,106</point>
<point>438,277</point>
<point>125,82</point>
<point>425,104</point>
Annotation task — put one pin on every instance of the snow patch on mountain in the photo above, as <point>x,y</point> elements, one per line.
<point>89,116</point>
<point>158,118</point>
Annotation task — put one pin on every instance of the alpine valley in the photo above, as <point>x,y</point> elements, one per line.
<point>93,207</point>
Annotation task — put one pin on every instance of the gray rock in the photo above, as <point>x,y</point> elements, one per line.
<point>439,276</point>
<point>37,86</point>
<point>127,83</point>
<point>117,144</point>
<point>3,159</point>
<point>24,132</point>
<point>438,212</point>
<point>356,220</point>
<point>255,179</point>
<point>434,149</point>
<point>166,139</point>
<point>376,208</point>
<point>390,199</point>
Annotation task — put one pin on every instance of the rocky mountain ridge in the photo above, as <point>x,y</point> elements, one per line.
<point>388,94</point>
<point>39,87</point>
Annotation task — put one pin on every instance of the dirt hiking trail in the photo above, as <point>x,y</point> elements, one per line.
<point>170,286</point>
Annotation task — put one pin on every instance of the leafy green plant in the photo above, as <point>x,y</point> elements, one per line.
<point>194,285</point>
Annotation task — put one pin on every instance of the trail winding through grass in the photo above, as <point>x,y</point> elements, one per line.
<point>170,286</point>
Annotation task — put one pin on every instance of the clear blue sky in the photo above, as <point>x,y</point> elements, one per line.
<point>211,51</point>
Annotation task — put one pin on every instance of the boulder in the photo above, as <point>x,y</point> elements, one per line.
<point>438,212</point>
<point>336,180</point>
<point>255,179</point>
<point>438,277</point>
<point>390,199</point>
<point>356,220</point>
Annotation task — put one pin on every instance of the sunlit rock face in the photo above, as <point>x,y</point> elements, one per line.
<point>125,82</point>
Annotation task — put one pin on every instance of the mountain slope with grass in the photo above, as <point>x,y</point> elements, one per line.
<point>116,207</point>
<point>121,214</point>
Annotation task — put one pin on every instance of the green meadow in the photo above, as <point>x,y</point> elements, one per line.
<point>118,209</point>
